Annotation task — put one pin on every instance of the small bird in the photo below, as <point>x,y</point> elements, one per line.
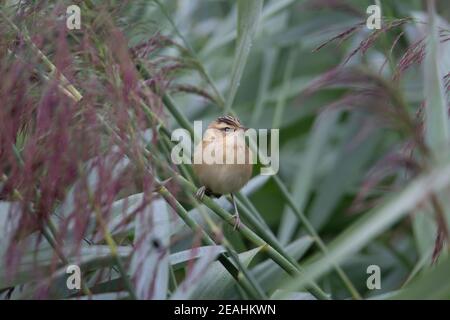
<point>227,135</point>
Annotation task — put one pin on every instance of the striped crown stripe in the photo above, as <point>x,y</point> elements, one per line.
<point>229,120</point>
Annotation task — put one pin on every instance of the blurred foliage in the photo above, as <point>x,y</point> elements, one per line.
<point>357,159</point>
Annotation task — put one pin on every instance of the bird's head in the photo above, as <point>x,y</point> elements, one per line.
<point>227,125</point>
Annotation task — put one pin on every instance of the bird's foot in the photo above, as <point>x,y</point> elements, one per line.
<point>237,221</point>
<point>200,193</point>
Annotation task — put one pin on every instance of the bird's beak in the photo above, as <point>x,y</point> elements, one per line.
<point>244,128</point>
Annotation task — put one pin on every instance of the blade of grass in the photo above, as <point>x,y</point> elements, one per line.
<point>375,222</point>
<point>436,111</point>
<point>420,265</point>
<point>270,10</point>
<point>216,281</point>
<point>268,63</point>
<point>254,238</point>
<point>249,12</point>
<point>269,274</point>
<point>345,174</point>
<point>282,97</point>
<point>219,98</point>
<point>321,131</point>
<point>429,285</point>
<point>312,232</point>
<point>436,115</point>
<point>424,229</point>
<point>194,275</point>
<point>179,209</point>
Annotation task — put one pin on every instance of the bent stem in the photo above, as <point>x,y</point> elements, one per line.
<point>248,284</point>
<point>280,259</point>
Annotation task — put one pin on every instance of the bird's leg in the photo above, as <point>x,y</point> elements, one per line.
<point>200,193</point>
<point>237,222</point>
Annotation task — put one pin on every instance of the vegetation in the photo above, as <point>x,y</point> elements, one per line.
<point>86,176</point>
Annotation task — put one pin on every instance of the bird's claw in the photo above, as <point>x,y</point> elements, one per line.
<point>237,222</point>
<point>200,193</point>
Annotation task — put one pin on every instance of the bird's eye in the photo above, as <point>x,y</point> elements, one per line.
<point>227,129</point>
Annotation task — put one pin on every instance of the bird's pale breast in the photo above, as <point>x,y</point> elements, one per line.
<point>227,177</point>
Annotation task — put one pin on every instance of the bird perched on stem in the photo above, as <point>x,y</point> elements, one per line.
<point>229,166</point>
